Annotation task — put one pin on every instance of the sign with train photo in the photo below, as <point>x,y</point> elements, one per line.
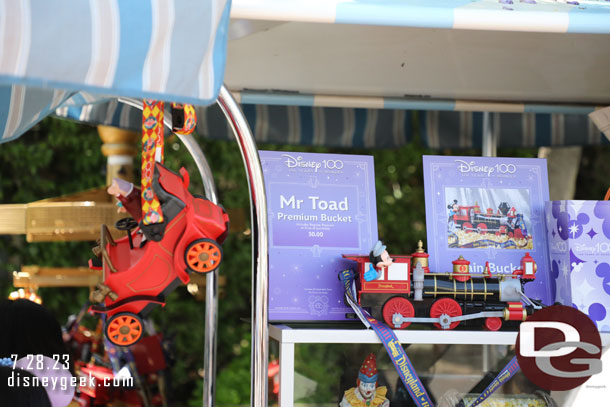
<point>489,210</point>
<point>480,218</point>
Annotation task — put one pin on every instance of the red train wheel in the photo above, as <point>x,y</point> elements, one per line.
<point>467,227</point>
<point>445,307</point>
<point>398,305</point>
<point>203,256</point>
<point>482,228</point>
<point>493,323</point>
<point>124,329</point>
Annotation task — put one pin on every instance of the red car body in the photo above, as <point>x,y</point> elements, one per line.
<point>139,273</point>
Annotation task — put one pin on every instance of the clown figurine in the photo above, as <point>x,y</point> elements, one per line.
<point>367,394</point>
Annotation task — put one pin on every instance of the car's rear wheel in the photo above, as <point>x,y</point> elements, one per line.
<point>203,256</point>
<point>124,329</point>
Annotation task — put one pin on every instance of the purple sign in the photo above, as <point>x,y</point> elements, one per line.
<point>320,206</point>
<point>488,209</point>
<point>579,243</point>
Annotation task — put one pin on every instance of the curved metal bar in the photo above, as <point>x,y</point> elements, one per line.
<point>211,283</point>
<point>260,246</point>
<point>211,287</point>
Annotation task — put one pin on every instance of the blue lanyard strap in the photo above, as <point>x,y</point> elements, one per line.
<point>399,357</point>
<point>391,343</point>
<point>504,376</point>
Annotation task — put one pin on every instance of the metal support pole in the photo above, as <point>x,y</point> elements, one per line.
<point>490,142</point>
<point>211,283</point>
<point>211,298</point>
<point>260,247</point>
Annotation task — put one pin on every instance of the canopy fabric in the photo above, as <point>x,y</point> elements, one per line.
<point>22,107</point>
<point>307,124</point>
<point>368,128</point>
<point>176,50</point>
<point>571,16</point>
<point>170,50</point>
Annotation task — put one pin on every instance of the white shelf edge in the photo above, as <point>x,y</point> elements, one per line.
<point>286,334</point>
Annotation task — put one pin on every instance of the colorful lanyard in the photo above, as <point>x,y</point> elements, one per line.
<point>152,151</point>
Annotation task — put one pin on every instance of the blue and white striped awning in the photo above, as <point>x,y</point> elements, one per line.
<point>52,49</point>
<point>560,16</point>
<point>168,50</point>
<point>22,107</point>
<point>353,127</point>
<point>71,54</point>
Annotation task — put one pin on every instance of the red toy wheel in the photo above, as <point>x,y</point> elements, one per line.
<point>448,307</point>
<point>482,228</point>
<point>467,227</point>
<point>493,323</point>
<point>124,329</point>
<point>398,305</point>
<point>203,256</point>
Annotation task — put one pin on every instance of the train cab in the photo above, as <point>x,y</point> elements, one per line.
<point>392,279</point>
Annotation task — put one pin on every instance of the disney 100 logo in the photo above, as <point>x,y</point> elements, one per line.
<point>299,162</point>
<point>467,167</point>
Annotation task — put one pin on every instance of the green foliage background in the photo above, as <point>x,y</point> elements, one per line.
<point>59,157</point>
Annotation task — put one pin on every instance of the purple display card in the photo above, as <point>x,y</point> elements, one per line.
<point>579,241</point>
<point>320,206</point>
<point>488,209</point>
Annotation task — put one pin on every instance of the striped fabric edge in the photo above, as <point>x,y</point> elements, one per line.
<point>22,107</point>
<point>162,50</point>
<point>552,16</point>
<point>368,128</point>
<point>373,102</point>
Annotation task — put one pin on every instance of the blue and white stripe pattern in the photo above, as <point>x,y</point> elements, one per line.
<point>513,130</point>
<point>573,16</point>
<point>368,128</point>
<point>160,49</point>
<point>22,107</point>
<point>371,102</point>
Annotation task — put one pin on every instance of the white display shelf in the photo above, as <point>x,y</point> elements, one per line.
<point>286,334</point>
<point>288,337</point>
